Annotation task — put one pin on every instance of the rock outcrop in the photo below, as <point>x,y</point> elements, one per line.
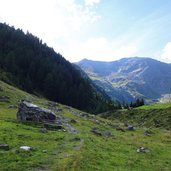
<point>30,112</point>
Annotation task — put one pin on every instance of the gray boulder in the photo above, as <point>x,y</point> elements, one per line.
<point>30,112</point>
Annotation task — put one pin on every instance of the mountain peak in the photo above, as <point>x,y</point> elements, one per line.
<point>136,58</point>
<point>131,78</point>
<point>85,59</point>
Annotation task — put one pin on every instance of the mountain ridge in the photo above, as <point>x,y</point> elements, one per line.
<point>130,78</point>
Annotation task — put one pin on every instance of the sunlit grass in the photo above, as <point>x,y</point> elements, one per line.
<point>156,106</point>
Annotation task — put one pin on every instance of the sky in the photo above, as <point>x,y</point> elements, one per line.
<point>101,30</point>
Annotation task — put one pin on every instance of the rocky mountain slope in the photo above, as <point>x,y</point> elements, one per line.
<point>130,78</point>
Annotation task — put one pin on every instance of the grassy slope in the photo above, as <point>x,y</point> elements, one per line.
<point>83,151</point>
<point>156,115</point>
<point>156,106</point>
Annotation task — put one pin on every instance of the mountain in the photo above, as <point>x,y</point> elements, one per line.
<point>130,78</point>
<point>34,67</point>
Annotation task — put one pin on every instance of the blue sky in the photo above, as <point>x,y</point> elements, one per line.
<point>104,30</point>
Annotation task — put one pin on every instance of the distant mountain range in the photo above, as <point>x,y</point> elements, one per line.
<point>130,78</point>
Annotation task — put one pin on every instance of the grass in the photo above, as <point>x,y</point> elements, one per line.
<point>85,151</point>
<point>155,115</point>
<point>16,135</point>
<point>156,106</point>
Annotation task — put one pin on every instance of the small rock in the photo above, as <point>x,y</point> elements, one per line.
<point>157,122</point>
<point>71,129</point>
<point>52,104</point>
<point>66,107</point>
<point>95,131</point>
<point>4,147</point>
<point>12,107</point>
<point>107,133</point>
<point>59,110</point>
<point>126,124</point>
<point>43,130</point>
<point>143,150</point>
<point>26,148</point>
<point>131,128</point>
<point>97,121</point>
<point>73,121</point>
<point>4,99</point>
<point>44,151</point>
<point>120,129</point>
<point>86,115</point>
<point>148,133</point>
<point>112,125</point>
<point>92,116</point>
<point>53,126</point>
<point>59,127</point>
<point>75,139</point>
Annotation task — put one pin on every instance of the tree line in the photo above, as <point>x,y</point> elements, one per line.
<point>137,103</point>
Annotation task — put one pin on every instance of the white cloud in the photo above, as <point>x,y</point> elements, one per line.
<point>91,2</point>
<point>72,29</point>
<point>166,55</point>
<point>59,24</point>
<point>49,20</point>
<point>99,49</point>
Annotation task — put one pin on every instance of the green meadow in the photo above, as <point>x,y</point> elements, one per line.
<point>111,150</point>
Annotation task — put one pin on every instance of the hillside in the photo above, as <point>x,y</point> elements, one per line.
<point>157,115</point>
<point>99,144</point>
<point>34,67</point>
<point>130,78</point>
